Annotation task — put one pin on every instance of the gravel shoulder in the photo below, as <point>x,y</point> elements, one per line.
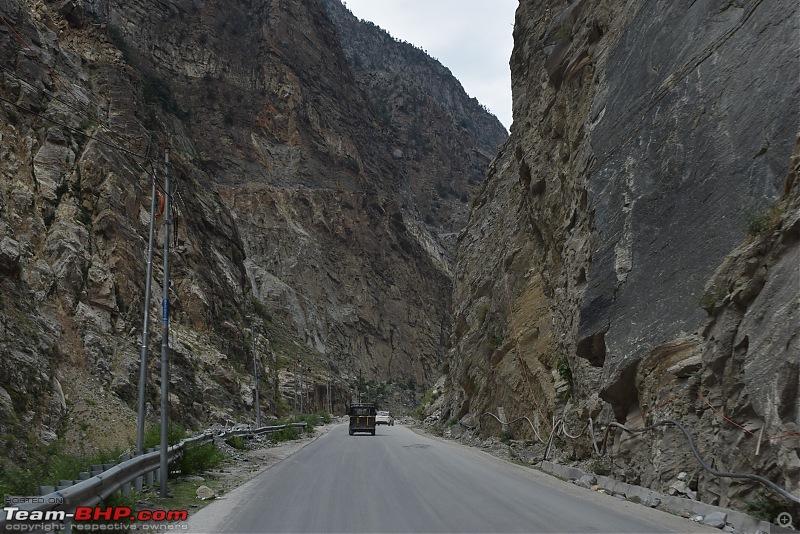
<point>243,466</point>
<point>665,519</point>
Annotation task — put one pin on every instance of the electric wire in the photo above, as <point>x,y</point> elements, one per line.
<point>536,432</point>
<point>703,464</point>
<point>88,111</point>
<point>68,86</point>
<point>71,129</point>
<point>54,97</point>
<point>559,428</point>
<point>92,116</point>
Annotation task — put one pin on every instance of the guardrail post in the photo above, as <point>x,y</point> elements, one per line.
<point>148,477</point>
<point>84,475</point>
<point>64,484</point>
<point>44,490</point>
<point>126,488</point>
<point>157,471</point>
<point>96,469</point>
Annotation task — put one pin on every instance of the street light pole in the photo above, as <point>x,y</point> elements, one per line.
<point>145,331</point>
<point>296,362</point>
<point>255,374</point>
<point>302,388</point>
<point>164,461</point>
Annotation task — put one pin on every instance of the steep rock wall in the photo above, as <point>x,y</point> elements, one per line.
<point>287,191</point>
<point>304,121</point>
<point>646,135</point>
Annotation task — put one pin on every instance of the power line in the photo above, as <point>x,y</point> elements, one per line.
<point>68,86</point>
<point>73,130</point>
<point>32,86</point>
<point>92,116</point>
<point>89,112</point>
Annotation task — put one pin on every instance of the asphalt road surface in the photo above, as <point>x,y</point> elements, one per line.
<point>401,481</point>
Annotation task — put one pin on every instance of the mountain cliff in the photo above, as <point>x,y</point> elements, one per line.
<point>309,233</point>
<point>632,256</point>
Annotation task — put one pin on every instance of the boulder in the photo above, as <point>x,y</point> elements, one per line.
<point>204,493</point>
<point>715,519</point>
<point>9,255</point>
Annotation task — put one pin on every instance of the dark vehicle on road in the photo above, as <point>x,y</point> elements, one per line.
<point>362,418</point>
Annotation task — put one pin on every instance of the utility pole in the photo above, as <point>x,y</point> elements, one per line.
<point>145,332</point>
<point>296,361</point>
<point>255,374</point>
<point>275,381</point>
<point>165,338</point>
<point>302,409</point>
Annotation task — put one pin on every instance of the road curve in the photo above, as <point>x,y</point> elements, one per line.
<point>401,481</point>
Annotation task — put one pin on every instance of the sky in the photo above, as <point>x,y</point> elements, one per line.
<point>472,38</point>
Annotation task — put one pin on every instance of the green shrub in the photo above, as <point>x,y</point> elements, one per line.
<point>763,223</point>
<point>565,372</point>
<point>429,397</point>
<point>494,339</point>
<point>199,458</point>
<point>714,294</point>
<point>237,442</point>
<point>765,507</point>
<point>324,418</point>
<point>311,420</point>
<point>152,435</point>
<point>598,467</point>
<point>47,470</point>
<point>287,434</point>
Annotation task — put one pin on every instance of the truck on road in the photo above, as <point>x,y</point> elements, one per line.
<point>362,418</point>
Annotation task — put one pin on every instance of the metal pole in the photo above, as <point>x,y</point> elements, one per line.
<point>275,380</point>
<point>145,332</point>
<point>295,386</point>
<point>302,389</point>
<point>255,372</point>
<point>165,338</point>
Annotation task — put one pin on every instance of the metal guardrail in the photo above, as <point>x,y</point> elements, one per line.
<point>89,492</point>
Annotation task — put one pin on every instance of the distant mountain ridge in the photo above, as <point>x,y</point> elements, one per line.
<point>399,79</point>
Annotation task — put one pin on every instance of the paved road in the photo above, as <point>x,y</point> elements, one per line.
<point>400,481</point>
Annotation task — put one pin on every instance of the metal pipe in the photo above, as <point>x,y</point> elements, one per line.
<point>165,337</point>
<point>255,373</point>
<point>145,331</point>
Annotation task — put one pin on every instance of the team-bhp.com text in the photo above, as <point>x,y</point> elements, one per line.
<point>87,517</point>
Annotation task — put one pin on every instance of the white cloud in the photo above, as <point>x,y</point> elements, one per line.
<point>472,38</point>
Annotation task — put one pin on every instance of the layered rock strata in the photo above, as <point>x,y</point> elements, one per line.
<point>647,137</point>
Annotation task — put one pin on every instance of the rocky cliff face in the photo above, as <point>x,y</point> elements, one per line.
<point>398,80</point>
<point>293,208</point>
<point>648,136</point>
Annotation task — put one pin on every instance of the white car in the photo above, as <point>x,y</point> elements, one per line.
<point>384,418</point>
